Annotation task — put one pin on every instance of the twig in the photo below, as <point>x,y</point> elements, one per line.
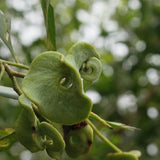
<point>13,79</point>
<point>2,71</point>
<point>15,64</point>
<point>14,73</point>
<point>13,53</point>
<point>101,120</point>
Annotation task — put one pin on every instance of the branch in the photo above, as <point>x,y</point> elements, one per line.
<point>15,64</point>
<point>13,79</point>
<point>100,120</point>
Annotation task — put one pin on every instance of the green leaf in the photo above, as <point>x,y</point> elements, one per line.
<point>48,12</point>
<point>121,126</point>
<point>5,27</point>
<point>6,131</point>
<point>7,138</point>
<point>121,156</point>
<point>56,88</point>
<point>5,33</point>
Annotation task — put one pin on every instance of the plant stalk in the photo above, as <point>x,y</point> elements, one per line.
<point>15,64</point>
<point>103,138</point>
<point>13,79</point>
<point>100,120</point>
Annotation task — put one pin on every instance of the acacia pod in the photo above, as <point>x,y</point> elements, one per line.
<point>121,156</point>
<point>85,59</point>
<point>27,127</point>
<point>56,88</point>
<point>78,141</point>
<point>54,141</point>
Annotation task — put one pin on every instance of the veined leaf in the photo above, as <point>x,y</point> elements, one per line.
<point>7,138</point>
<point>48,12</point>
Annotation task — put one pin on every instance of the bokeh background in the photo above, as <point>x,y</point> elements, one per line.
<point>126,33</point>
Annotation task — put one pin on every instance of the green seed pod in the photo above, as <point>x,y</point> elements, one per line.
<point>121,156</point>
<point>26,127</point>
<point>85,59</point>
<point>78,141</point>
<point>56,88</point>
<point>54,142</point>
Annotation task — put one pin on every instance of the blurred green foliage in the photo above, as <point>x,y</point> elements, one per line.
<point>126,33</point>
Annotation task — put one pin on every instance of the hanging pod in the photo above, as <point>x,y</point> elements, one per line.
<point>86,61</point>
<point>27,127</point>
<point>56,88</point>
<point>122,156</point>
<point>54,142</point>
<point>78,141</point>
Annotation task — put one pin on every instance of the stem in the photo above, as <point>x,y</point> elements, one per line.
<point>9,45</point>
<point>13,79</point>
<point>16,74</point>
<point>13,54</point>
<point>100,120</point>
<point>8,92</point>
<point>15,64</point>
<point>103,138</point>
<point>2,71</point>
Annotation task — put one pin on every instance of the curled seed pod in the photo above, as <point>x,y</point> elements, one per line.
<point>78,141</point>
<point>56,88</point>
<point>91,69</point>
<point>85,59</point>
<point>54,141</point>
<point>26,127</point>
<point>122,156</point>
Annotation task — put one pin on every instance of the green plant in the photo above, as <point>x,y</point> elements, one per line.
<point>55,84</point>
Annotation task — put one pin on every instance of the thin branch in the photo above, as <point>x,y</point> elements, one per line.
<point>101,120</point>
<point>15,64</point>
<point>16,74</point>
<point>2,71</point>
<point>13,53</point>
<point>13,79</point>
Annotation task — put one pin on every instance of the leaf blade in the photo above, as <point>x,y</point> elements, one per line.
<point>48,12</point>
<point>5,33</point>
<point>7,138</point>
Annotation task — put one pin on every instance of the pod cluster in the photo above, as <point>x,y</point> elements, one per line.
<point>54,104</point>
